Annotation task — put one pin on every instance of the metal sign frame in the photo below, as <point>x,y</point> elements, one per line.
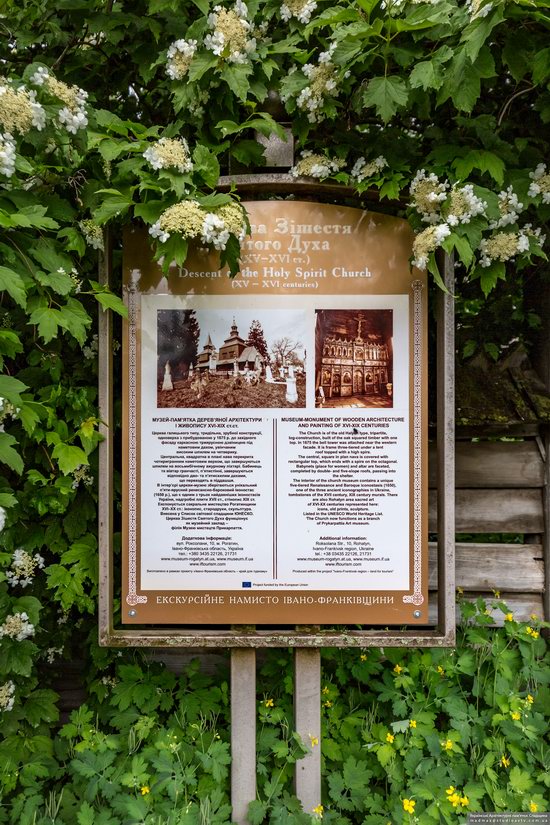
<point>245,636</point>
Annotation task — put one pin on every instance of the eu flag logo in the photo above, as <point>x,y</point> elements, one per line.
<point>247,584</point>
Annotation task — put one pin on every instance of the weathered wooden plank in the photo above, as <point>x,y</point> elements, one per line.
<point>515,464</point>
<point>517,568</point>
<point>520,604</point>
<point>445,443</point>
<point>307,721</point>
<point>494,511</point>
<point>243,733</point>
<point>178,660</point>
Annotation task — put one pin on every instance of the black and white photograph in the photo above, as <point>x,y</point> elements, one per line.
<point>231,358</point>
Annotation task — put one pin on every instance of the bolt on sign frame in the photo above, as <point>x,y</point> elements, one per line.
<point>307,634</point>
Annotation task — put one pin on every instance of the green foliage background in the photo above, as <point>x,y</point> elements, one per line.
<point>461,90</point>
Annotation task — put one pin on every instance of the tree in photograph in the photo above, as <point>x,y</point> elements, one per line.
<point>256,338</point>
<point>286,351</point>
<point>178,340</point>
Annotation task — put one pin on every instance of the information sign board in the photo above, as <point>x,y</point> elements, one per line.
<point>275,455</point>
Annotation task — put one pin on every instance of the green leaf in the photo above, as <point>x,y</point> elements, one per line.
<point>237,78</point>
<point>11,388</point>
<point>200,64</point>
<point>86,815</point>
<point>483,160</point>
<point>387,94</point>
<point>520,781</point>
<point>69,457</point>
<point>12,283</point>
<point>50,259</point>
<point>74,318</point>
<point>257,811</point>
<point>60,282</point>
<point>207,165</point>
<point>151,211</point>
<point>114,204</point>
<point>424,75</point>
<point>40,706</point>
<point>8,455</point>
<point>108,299</point>
<point>47,320</point>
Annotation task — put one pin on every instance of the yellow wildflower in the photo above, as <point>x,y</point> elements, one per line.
<point>496,594</point>
<point>509,617</point>
<point>325,690</point>
<point>504,761</point>
<point>408,805</point>
<point>448,744</point>
<point>145,789</point>
<point>533,807</point>
<point>460,591</point>
<point>454,799</point>
<point>390,737</point>
<point>412,723</point>
<point>328,703</point>
<point>440,670</point>
<point>529,699</point>
<point>314,740</point>
<point>450,790</point>
<point>318,811</point>
<point>464,801</point>
<point>397,669</point>
<point>533,617</point>
<point>535,634</point>
<point>363,657</point>
<point>516,716</point>
<point>528,630</point>
<point>268,703</point>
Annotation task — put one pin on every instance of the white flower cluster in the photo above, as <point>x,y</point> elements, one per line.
<point>364,169</point>
<point>51,654</point>
<point>81,473</point>
<point>90,350</point>
<point>427,242</point>
<point>323,81</point>
<point>7,154</point>
<point>300,9</point>
<point>17,626</point>
<point>7,696</point>
<point>19,110</point>
<point>23,567</point>
<point>180,54</point>
<point>540,183</point>
<point>73,114</point>
<point>93,234</point>
<point>2,519</point>
<point>317,166</point>
<point>190,220</point>
<point>464,205</point>
<point>509,208</point>
<point>503,246</point>
<point>169,153</point>
<point>427,194</point>
<point>478,8</point>
<point>109,681</point>
<point>230,33</point>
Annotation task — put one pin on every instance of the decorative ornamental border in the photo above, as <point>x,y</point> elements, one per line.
<point>133,597</point>
<point>416,597</point>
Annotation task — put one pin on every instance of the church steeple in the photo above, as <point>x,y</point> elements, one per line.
<point>234,331</point>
